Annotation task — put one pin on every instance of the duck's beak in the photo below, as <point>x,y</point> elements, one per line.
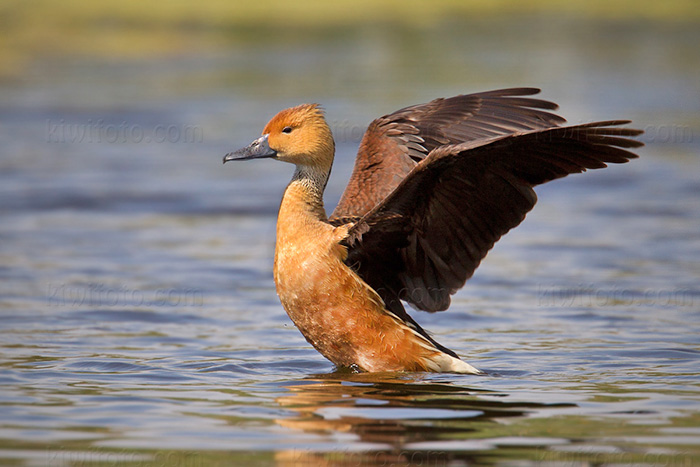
<point>258,149</point>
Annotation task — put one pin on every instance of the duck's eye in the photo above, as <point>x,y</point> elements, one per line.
<point>287,129</point>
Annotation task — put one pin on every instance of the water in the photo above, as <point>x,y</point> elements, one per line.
<point>139,319</point>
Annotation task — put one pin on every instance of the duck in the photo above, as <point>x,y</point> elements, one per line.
<point>433,187</point>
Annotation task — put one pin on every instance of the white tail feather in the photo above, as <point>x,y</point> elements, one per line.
<point>443,363</point>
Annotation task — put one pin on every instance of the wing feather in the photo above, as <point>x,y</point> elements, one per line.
<point>394,144</point>
<point>431,232</point>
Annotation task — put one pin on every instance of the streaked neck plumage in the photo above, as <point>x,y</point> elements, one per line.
<point>313,180</point>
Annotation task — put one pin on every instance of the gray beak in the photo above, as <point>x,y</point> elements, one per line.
<point>258,149</point>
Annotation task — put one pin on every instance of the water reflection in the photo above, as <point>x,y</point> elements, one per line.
<point>393,419</point>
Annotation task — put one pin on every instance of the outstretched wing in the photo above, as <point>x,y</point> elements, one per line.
<point>424,240</point>
<point>394,144</point>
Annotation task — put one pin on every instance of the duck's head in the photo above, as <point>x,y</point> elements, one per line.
<point>299,135</point>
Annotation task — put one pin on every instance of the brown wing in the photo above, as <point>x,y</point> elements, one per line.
<point>395,143</point>
<point>428,236</point>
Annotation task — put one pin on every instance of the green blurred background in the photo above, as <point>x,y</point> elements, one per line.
<point>131,29</point>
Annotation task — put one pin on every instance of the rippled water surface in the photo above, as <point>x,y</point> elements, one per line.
<point>139,321</point>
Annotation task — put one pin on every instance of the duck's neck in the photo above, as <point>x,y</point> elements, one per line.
<point>303,198</point>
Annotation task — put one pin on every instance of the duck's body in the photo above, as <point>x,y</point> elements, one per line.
<point>423,207</point>
<point>338,312</point>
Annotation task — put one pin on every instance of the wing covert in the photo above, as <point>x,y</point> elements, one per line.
<point>394,144</point>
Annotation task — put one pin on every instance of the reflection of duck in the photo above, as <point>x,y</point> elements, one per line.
<point>391,418</point>
<point>376,408</point>
<point>434,187</point>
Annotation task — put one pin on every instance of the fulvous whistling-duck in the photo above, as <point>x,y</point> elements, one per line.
<point>433,188</point>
